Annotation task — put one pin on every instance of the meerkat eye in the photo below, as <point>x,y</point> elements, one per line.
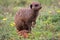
<point>36,5</point>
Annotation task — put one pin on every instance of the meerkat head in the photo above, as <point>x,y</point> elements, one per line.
<point>36,6</point>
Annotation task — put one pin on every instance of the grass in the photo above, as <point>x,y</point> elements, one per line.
<point>47,25</point>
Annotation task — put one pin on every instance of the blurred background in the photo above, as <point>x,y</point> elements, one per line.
<point>46,28</point>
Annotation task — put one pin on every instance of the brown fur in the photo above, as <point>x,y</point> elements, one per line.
<point>25,16</point>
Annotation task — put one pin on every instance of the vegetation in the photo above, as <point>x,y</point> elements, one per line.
<point>46,28</point>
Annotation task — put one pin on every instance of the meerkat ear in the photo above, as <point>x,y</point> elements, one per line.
<point>31,6</point>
